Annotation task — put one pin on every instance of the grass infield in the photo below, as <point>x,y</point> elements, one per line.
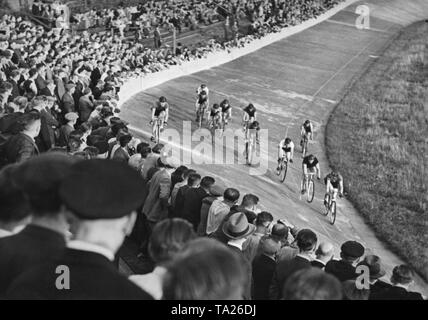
<point>377,137</point>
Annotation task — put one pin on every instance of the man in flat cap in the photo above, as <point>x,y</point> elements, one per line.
<point>44,238</point>
<point>345,268</point>
<point>67,128</point>
<point>101,197</point>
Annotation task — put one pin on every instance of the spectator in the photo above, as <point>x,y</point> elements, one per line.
<point>351,292</point>
<point>86,105</point>
<point>121,154</point>
<point>215,193</point>
<point>251,246</point>
<point>67,100</point>
<point>205,270</point>
<point>376,270</point>
<point>324,254</point>
<point>22,146</point>
<point>344,269</point>
<point>67,129</point>
<point>99,228</point>
<point>193,181</point>
<point>151,160</point>
<point>219,213</point>
<point>312,284</point>
<point>193,201</point>
<point>14,206</point>
<point>306,242</point>
<point>178,185</point>
<point>137,160</point>
<point>264,267</point>
<point>248,206</point>
<point>167,240</point>
<point>39,179</point>
<point>401,280</point>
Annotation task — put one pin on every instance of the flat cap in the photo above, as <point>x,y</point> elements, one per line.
<point>352,249</point>
<point>101,189</point>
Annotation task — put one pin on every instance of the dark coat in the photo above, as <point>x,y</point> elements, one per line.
<point>398,293</point>
<point>47,130</point>
<point>92,276</point>
<point>67,103</point>
<point>40,83</point>
<point>192,205</point>
<point>318,264</point>
<point>263,270</point>
<point>20,147</point>
<point>179,201</point>
<point>86,106</point>
<point>284,269</point>
<point>15,89</point>
<point>247,269</point>
<point>341,270</point>
<point>377,288</point>
<point>64,134</point>
<point>205,208</point>
<point>23,251</point>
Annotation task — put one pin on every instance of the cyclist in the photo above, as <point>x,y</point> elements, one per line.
<point>160,111</point>
<point>334,185</point>
<point>226,111</point>
<point>202,87</point>
<point>215,114</point>
<point>310,165</point>
<point>306,130</point>
<point>201,104</point>
<point>249,115</point>
<point>253,131</point>
<point>285,150</point>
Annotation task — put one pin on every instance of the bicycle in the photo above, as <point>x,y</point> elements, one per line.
<point>200,112</point>
<point>283,167</point>
<point>249,150</point>
<point>310,190</point>
<point>157,123</point>
<point>330,206</point>
<point>304,145</point>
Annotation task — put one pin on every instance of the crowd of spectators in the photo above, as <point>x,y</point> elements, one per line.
<point>63,203</point>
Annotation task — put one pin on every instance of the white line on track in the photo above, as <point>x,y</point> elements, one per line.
<point>353,26</point>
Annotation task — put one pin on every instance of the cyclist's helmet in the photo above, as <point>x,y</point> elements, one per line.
<point>255,125</point>
<point>216,106</point>
<point>311,157</point>
<point>203,93</point>
<point>162,99</point>
<point>334,174</point>
<point>287,140</point>
<point>307,122</point>
<point>251,107</point>
<point>203,86</point>
<point>225,101</point>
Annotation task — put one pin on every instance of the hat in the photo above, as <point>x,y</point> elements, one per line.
<point>216,190</point>
<point>237,227</point>
<point>102,189</point>
<point>352,249</point>
<point>71,116</point>
<point>102,146</point>
<point>374,264</point>
<point>69,86</point>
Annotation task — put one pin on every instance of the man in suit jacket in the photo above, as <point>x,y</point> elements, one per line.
<point>47,130</point>
<point>78,92</point>
<point>67,101</point>
<point>66,129</point>
<point>156,206</point>
<point>344,269</point>
<point>306,242</point>
<point>14,78</point>
<point>44,238</point>
<point>86,105</point>
<point>40,80</point>
<point>377,286</point>
<point>193,181</point>
<point>22,146</point>
<point>100,228</point>
<point>49,90</point>
<point>263,268</point>
<point>324,254</point>
<point>193,201</point>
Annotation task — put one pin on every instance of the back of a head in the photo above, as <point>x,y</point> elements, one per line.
<point>306,240</point>
<point>168,238</point>
<point>279,232</point>
<point>40,178</point>
<point>250,200</point>
<point>28,121</point>
<point>263,218</point>
<point>194,179</point>
<point>402,274</point>
<point>14,206</point>
<point>312,284</point>
<point>207,182</point>
<point>231,195</point>
<point>205,270</point>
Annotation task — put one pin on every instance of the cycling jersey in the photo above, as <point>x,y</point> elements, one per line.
<point>159,109</point>
<point>214,112</point>
<point>309,165</point>
<point>307,127</point>
<point>224,107</point>
<point>253,126</point>
<point>251,113</point>
<point>288,147</point>
<point>202,99</point>
<point>335,181</point>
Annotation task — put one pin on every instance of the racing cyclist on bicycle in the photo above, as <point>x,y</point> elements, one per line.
<point>310,165</point>
<point>160,111</point>
<point>201,104</point>
<point>215,114</point>
<point>307,130</point>
<point>253,132</point>
<point>334,185</point>
<point>226,111</point>
<point>285,151</point>
<point>249,116</point>
<point>202,87</point>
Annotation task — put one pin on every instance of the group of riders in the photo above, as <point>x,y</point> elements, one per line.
<point>220,114</point>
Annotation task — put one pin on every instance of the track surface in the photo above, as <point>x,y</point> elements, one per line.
<point>298,78</point>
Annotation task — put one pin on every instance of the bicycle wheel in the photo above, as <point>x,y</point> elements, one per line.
<point>333,212</point>
<point>310,191</point>
<point>158,132</point>
<point>327,206</point>
<point>284,168</point>
<point>250,152</point>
